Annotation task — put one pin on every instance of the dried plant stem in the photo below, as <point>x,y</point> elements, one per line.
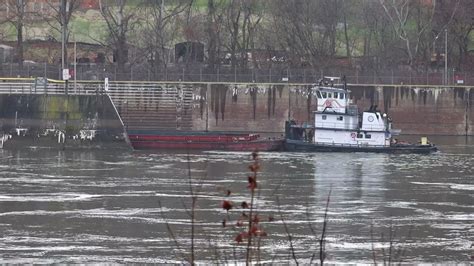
<point>312,231</point>
<point>193,209</point>
<point>390,250</point>
<point>253,186</point>
<point>248,258</point>
<point>322,250</point>
<point>169,229</point>
<point>401,251</point>
<point>290,238</point>
<point>394,254</point>
<point>374,258</point>
<point>258,251</point>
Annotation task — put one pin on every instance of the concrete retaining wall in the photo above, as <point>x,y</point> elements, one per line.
<point>39,119</point>
<point>265,107</point>
<point>423,110</point>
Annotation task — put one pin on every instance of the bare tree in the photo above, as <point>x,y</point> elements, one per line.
<point>232,23</point>
<point>61,16</point>
<point>252,19</point>
<point>345,12</point>
<point>308,28</point>
<point>457,20</point>
<point>17,17</point>
<point>242,20</point>
<point>332,9</point>
<point>119,20</point>
<point>163,26</point>
<point>379,40</point>
<point>296,24</point>
<point>213,28</point>
<point>400,13</point>
<point>463,25</point>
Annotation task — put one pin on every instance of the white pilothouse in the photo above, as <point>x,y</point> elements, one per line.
<point>338,122</point>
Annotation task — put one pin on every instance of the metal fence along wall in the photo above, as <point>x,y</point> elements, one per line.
<point>195,73</point>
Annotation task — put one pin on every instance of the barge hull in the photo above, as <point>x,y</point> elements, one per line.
<point>263,145</point>
<point>300,146</point>
<point>200,140</point>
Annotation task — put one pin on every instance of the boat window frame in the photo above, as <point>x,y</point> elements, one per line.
<point>340,118</point>
<point>324,117</point>
<point>324,94</point>
<point>318,94</point>
<point>360,135</point>
<point>341,96</point>
<point>368,136</point>
<point>336,95</point>
<point>329,94</point>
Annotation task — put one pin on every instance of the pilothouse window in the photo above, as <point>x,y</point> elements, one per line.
<point>335,95</point>
<point>341,96</point>
<point>318,94</point>
<point>324,94</point>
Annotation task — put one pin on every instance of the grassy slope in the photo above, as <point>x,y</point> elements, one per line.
<point>90,27</point>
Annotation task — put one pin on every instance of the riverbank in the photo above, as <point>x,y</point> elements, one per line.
<point>231,107</point>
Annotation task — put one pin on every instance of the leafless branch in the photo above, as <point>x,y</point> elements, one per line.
<point>322,241</point>
<point>290,238</point>
<point>170,230</point>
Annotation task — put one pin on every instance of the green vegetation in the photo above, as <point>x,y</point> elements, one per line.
<point>308,33</point>
<point>87,29</point>
<point>8,32</point>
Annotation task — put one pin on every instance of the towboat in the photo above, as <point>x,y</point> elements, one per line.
<point>339,127</point>
<point>197,140</point>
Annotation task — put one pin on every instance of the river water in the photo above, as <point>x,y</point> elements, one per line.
<point>134,207</point>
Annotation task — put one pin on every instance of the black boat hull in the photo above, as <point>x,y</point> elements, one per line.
<point>302,146</point>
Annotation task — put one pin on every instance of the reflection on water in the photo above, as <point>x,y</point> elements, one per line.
<point>352,176</point>
<point>104,206</point>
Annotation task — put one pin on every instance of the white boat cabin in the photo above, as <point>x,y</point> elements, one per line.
<point>336,122</point>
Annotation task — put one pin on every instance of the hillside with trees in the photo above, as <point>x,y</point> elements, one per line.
<point>242,35</point>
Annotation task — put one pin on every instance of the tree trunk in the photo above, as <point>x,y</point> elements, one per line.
<point>234,39</point>
<point>19,44</point>
<point>212,39</point>
<point>346,35</point>
<point>121,53</point>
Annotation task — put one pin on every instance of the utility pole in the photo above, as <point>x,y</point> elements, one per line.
<point>63,31</point>
<point>446,56</point>
<point>63,10</point>
<point>75,62</point>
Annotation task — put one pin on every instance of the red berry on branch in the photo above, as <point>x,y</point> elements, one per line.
<point>226,205</point>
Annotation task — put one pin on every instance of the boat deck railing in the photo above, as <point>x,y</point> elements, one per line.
<point>361,145</point>
<point>330,126</point>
